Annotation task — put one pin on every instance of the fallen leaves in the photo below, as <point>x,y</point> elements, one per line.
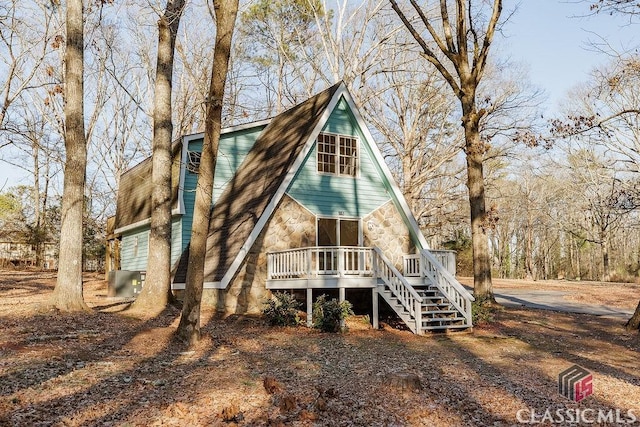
<point>105,369</point>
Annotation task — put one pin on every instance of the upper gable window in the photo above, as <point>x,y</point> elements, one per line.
<point>193,161</point>
<point>337,154</point>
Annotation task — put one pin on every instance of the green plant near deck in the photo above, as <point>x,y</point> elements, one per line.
<point>329,314</point>
<point>481,312</point>
<point>282,310</point>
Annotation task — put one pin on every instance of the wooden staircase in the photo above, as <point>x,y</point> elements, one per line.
<point>437,302</point>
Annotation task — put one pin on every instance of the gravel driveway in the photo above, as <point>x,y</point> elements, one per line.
<point>554,300</point>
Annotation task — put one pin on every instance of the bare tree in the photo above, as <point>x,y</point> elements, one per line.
<point>25,46</point>
<point>189,328</point>
<point>463,45</point>
<point>156,292</point>
<point>68,292</point>
<point>628,7</point>
<point>632,9</point>
<point>412,110</point>
<point>282,36</point>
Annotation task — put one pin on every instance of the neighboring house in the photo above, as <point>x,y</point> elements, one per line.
<point>24,254</point>
<point>303,201</point>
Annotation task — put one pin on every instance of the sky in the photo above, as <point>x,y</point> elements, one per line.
<point>554,38</point>
<point>551,37</point>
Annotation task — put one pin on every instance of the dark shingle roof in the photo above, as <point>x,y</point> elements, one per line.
<point>134,191</point>
<point>256,182</point>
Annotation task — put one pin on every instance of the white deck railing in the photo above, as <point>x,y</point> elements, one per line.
<point>317,261</point>
<point>457,295</point>
<point>411,263</point>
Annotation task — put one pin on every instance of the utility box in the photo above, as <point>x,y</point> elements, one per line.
<point>124,284</point>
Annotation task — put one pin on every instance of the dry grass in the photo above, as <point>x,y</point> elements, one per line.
<point>106,369</point>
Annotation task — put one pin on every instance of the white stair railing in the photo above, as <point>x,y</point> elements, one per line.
<point>457,295</point>
<point>400,289</point>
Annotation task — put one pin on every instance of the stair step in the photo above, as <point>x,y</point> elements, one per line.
<point>430,294</point>
<point>442,319</point>
<point>436,309</point>
<point>436,304</point>
<point>441,327</point>
<point>441,312</point>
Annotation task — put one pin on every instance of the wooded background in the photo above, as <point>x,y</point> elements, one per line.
<point>562,192</point>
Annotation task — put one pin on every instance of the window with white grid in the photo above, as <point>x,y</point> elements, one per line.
<point>337,154</point>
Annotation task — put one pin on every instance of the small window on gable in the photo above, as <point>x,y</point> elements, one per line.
<point>193,161</point>
<point>337,155</point>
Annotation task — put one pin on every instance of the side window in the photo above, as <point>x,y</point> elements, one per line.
<point>193,161</point>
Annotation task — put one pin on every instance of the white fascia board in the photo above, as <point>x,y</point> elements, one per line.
<point>144,222</point>
<point>413,224</point>
<point>262,221</point>
<point>229,129</point>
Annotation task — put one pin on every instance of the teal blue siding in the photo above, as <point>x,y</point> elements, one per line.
<point>331,195</point>
<point>176,239</point>
<point>132,258</point>
<point>232,151</point>
<point>138,262</point>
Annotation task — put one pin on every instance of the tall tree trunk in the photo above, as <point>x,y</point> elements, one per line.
<point>36,234</point>
<point>634,323</point>
<point>578,275</point>
<point>482,286</point>
<point>156,292</point>
<point>604,249</point>
<point>461,63</point>
<point>67,295</point>
<point>189,327</point>
<point>528,260</point>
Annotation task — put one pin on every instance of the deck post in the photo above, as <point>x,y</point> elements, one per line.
<point>418,315</point>
<point>341,294</point>
<point>309,307</point>
<point>375,315</point>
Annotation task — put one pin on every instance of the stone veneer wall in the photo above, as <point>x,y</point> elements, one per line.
<point>292,226</point>
<point>385,229</point>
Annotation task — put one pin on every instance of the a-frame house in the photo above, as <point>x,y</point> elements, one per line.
<point>303,201</point>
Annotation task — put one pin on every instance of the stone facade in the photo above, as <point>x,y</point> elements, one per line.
<point>385,229</point>
<point>291,226</point>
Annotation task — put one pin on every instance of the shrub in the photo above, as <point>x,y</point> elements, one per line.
<point>282,310</point>
<point>328,314</point>
<point>481,312</point>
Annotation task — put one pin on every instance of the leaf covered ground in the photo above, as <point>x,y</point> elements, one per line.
<point>104,368</point>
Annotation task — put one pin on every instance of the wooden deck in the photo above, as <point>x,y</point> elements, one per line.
<point>426,295</point>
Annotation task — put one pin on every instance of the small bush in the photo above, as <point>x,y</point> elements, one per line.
<point>328,314</point>
<point>481,312</point>
<point>282,310</point>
